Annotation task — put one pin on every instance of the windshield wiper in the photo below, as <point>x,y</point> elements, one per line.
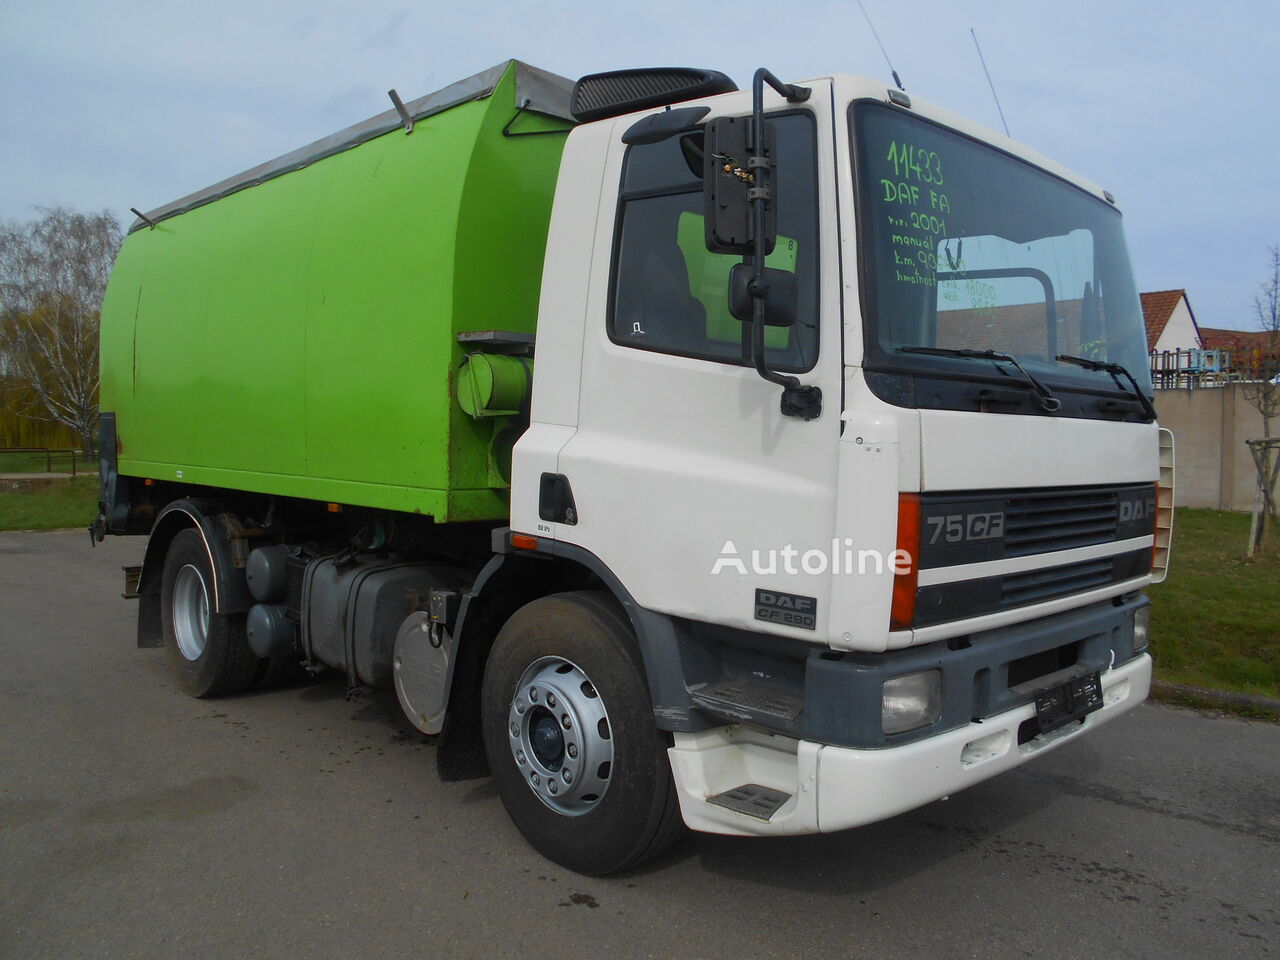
<point>1048,401</point>
<point>1116,370</point>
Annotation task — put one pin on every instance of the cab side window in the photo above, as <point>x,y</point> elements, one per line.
<point>670,294</point>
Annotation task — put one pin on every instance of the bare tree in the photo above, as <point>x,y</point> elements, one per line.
<point>53,273</point>
<point>1262,390</point>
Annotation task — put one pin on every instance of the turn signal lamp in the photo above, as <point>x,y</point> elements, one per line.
<point>902,613</point>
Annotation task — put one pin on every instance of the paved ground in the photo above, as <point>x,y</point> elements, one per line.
<point>137,822</point>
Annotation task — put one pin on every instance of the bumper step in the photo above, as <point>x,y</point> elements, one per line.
<point>751,799</point>
<point>743,703</point>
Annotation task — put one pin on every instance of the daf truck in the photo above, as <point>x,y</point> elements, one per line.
<point>766,462</point>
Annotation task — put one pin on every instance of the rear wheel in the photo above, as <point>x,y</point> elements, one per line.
<point>208,651</point>
<point>581,767</point>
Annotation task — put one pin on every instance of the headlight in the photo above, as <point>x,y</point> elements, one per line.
<point>1141,629</point>
<point>911,702</point>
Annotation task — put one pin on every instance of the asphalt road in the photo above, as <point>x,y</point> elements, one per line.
<point>137,822</point>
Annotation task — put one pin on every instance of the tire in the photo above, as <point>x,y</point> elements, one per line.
<point>208,652</point>
<point>579,647</point>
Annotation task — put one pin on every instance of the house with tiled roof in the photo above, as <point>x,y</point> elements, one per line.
<point>1024,329</point>
<point>1216,338</point>
<point>1170,323</point>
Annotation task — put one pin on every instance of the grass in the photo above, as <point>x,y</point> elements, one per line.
<point>1215,622</point>
<point>35,463</point>
<point>20,463</point>
<point>53,506</point>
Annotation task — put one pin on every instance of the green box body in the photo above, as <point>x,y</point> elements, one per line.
<point>298,336</point>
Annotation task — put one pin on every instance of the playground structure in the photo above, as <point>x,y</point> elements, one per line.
<point>1192,368</point>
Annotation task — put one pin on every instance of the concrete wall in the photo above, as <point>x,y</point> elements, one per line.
<point>1210,425</point>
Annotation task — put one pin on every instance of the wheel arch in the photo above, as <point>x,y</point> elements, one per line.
<point>513,578</point>
<point>230,589</point>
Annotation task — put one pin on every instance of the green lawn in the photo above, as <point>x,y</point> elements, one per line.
<point>63,503</point>
<point>1215,622</point>
<point>35,463</point>
<point>19,463</point>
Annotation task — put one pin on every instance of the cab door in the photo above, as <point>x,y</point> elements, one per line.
<point>688,481</point>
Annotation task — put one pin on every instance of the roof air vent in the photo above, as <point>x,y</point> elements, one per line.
<point>612,94</point>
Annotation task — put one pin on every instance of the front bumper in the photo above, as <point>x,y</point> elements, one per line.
<point>833,788</point>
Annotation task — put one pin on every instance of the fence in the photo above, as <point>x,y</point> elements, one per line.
<point>1171,369</point>
<point>70,457</point>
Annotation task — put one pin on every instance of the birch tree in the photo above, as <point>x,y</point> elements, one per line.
<point>53,272</point>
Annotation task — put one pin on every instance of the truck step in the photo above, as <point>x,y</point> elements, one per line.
<point>744,702</point>
<point>752,799</point>
<point>132,577</point>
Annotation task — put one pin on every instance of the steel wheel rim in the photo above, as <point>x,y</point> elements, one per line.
<point>190,612</point>
<point>560,737</point>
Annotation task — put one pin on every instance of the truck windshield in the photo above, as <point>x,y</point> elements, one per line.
<point>966,248</point>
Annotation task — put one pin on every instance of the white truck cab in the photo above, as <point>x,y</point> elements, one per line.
<point>812,678</point>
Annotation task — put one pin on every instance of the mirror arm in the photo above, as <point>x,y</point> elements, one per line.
<point>798,399</point>
<point>793,92</point>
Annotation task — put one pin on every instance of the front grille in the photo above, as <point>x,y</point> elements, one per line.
<point>999,524</point>
<point>1039,523</point>
<point>983,527</point>
<point>1020,588</point>
<point>960,599</point>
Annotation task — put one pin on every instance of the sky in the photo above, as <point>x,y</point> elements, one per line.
<point>1171,106</point>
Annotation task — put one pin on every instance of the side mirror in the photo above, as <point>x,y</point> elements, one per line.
<point>781,297</point>
<point>727,182</point>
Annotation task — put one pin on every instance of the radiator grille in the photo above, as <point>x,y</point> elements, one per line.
<point>1034,585</point>
<point>1040,523</point>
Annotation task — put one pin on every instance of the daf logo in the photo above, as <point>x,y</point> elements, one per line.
<point>785,601</point>
<point>1131,510</point>
<point>787,609</point>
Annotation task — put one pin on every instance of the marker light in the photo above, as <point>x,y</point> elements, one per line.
<point>903,610</point>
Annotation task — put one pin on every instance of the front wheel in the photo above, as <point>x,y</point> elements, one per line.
<point>581,767</point>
